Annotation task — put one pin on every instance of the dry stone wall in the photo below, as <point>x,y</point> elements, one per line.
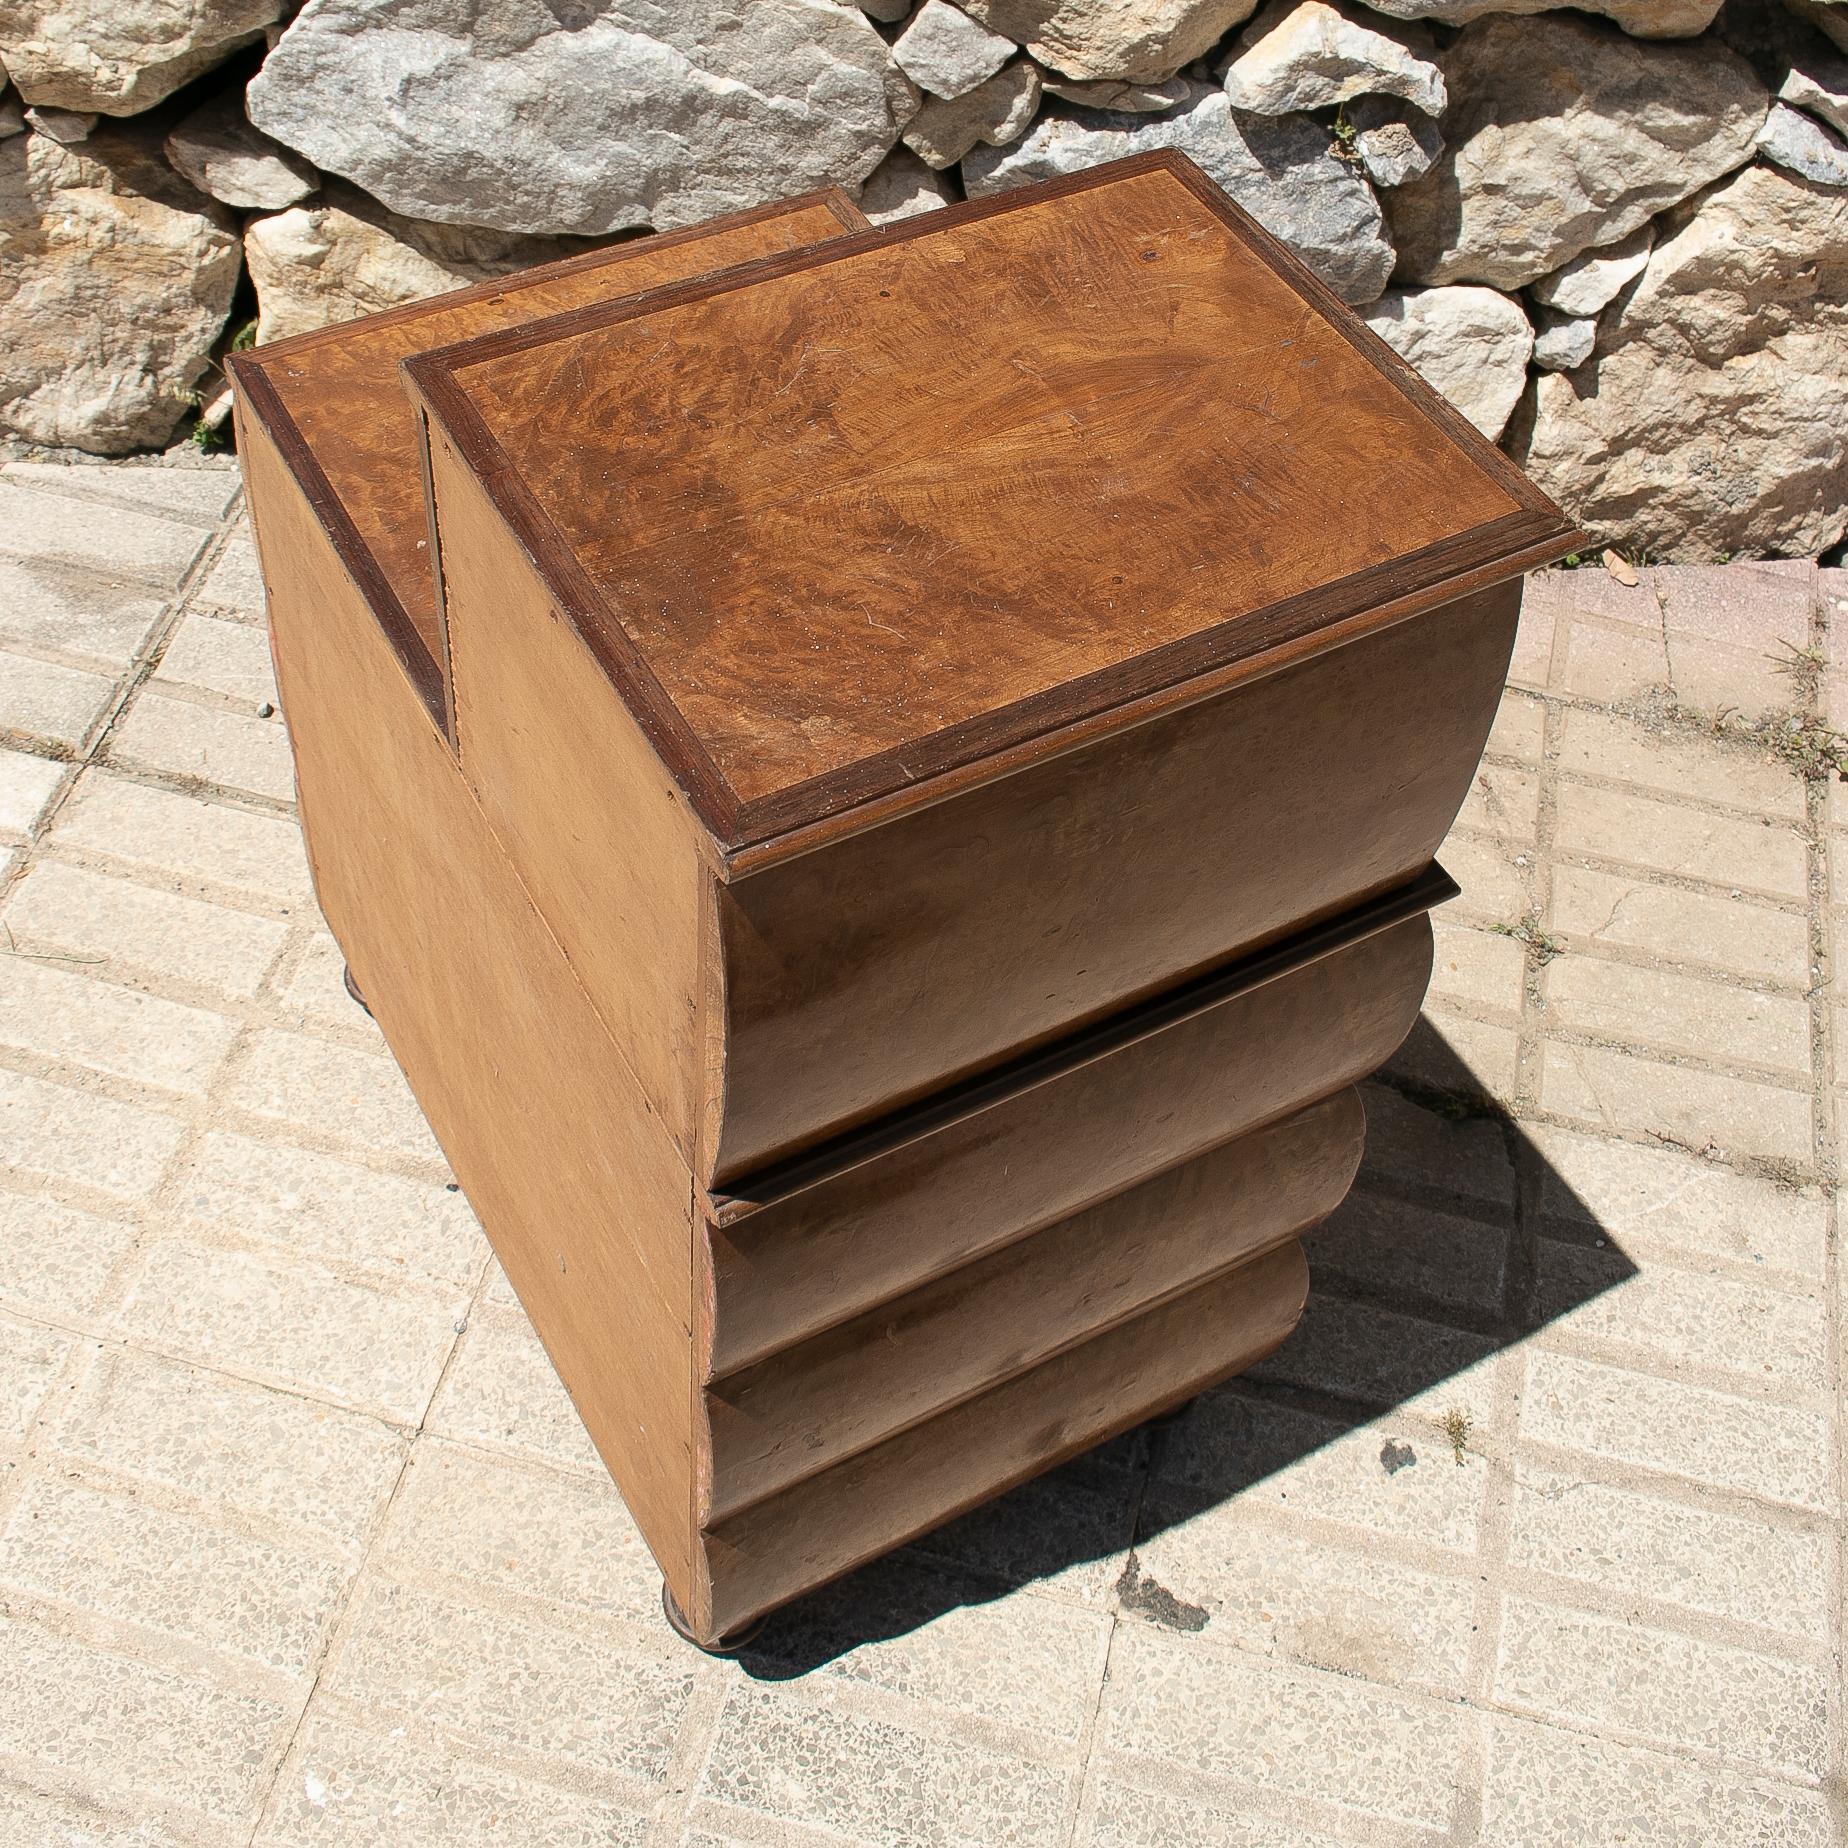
<point>1615,235</point>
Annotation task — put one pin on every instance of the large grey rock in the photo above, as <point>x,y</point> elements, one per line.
<point>121,56</point>
<point>590,118</point>
<point>1279,168</point>
<point>993,113</point>
<point>944,51</point>
<point>1395,142</point>
<point>117,278</point>
<point>216,148</point>
<point>902,187</point>
<point>1801,144</point>
<point>1312,55</point>
<point>1563,135</point>
<point>1144,40</point>
<point>345,255</point>
<point>1640,18</point>
<point>1709,419</point>
<point>1470,344</point>
<point>1591,280</point>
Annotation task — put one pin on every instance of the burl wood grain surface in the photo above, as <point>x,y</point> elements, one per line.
<point>339,385</point>
<point>877,497</point>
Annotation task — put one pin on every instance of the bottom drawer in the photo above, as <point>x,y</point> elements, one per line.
<point>927,1475</point>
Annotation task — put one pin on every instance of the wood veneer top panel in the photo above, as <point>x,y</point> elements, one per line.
<point>339,394</point>
<point>849,517</point>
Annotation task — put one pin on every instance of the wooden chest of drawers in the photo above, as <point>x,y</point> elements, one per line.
<point>901,816</point>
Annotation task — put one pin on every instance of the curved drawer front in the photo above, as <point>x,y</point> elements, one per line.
<point>782,1269</point>
<point>877,970</point>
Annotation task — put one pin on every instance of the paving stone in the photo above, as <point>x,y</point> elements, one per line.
<point>317,989</point>
<point>1123,1815</point>
<point>1663,1199</point>
<point>1677,1013</point>
<point>935,1638</point>
<point>1479,969</point>
<point>565,1538</point>
<point>1678,838</point>
<point>235,581</point>
<point>1388,1757</point>
<point>1409,1144</point>
<point>29,1360</point>
<point>266,1455</point>
<point>198,496</point>
<point>1231,1444</point>
<point>1378,1357</point>
<point>1764,612</point>
<point>127,1727</point>
<point>232,749</point>
<point>1287,1595</point>
<point>501,1391</point>
<point>192,840</point>
<point>804,1761</point>
<point>103,622</point>
<point>27,785</point>
<point>1066,1533</point>
<point>33,1821</point>
<point>1394,1249</point>
<point>1619,1090</point>
<point>1677,764</point>
<point>1598,1672</point>
<point>54,1259</point>
<point>73,533</point>
<point>124,1560</point>
<point>1591,592</point>
<point>71,1135</point>
<point>1773,1339</point>
<point>1612,665</point>
<point>1723,1439</point>
<point>1503,801</point>
<point>127,931</point>
<point>1468,1058</point>
<point>364,1348</point>
<point>1626,912</point>
<point>333,1210</point>
<point>1722,1565</point>
<point>365,1788</point>
<point>1495,885</point>
<point>1713,679</point>
<point>48,704</point>
<point>345,1091</point>
<point>1519,728</point>
<point>232,658</point>
<point>1544,1788</point>
<point>82,1020</point>
<point>514,1684</point>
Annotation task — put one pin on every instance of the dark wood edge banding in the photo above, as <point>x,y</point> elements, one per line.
<point>428,676</point>
<point>859,795</point>
<point>1055,1060</point>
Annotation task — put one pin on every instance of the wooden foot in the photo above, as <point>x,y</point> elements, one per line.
<point>735,1644</point>
<point>352,987</point>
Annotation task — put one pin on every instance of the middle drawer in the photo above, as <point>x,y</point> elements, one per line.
<point>863,1222</point>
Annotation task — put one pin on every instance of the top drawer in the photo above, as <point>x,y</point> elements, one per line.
<point>888,655</point>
